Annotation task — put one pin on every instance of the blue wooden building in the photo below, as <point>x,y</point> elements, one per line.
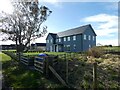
<point>74,40</point>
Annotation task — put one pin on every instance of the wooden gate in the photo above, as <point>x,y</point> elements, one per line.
<point>39,64</point>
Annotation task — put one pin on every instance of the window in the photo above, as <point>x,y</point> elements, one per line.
<point>89,46</point>
<point>68,47</point>
<point>74,37</point>
<point>51,40</point>
<point>64,38</point>
<point>68,38</point>
<point>47,41</point>
<point>74,46</point>
<point>64,47</point>
<point>60,48</point>
<point>89,37</point>
<point>59,39</point>
<point>56,40</point>
<point>84,37</point>
<point>93,38</point>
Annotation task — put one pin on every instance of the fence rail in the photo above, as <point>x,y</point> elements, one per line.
<point>27,60</point>
<point>39,64</point>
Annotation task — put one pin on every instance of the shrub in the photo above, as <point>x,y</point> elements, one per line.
<point>95,52</point>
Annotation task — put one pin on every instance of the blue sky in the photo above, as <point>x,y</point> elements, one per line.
<point>103,16</point>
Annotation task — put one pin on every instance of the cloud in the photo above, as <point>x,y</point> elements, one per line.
<point>105,26</point>
<point>113,42</point>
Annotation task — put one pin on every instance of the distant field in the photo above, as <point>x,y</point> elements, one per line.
<point>116,48</point>
<point>36,53</point>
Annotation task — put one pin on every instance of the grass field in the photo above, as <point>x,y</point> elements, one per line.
<point>115,48</point>
<point>18,76</point>
<point>50,53</point>
<point>4,57</point>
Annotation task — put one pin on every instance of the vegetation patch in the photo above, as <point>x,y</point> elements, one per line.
<point>19,76</point>
<point>80,71</point>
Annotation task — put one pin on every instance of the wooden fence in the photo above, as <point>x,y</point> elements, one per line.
<point>39,64</point>
<point>27,60</point>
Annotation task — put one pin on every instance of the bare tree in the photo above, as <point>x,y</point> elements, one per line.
<point>24,24</point>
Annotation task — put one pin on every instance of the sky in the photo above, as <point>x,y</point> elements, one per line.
<point>103,16</point>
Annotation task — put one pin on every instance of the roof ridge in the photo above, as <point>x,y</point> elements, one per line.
<point>75,28</point>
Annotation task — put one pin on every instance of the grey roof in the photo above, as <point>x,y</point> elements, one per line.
<point>74,31</point>
<point>52,34</point>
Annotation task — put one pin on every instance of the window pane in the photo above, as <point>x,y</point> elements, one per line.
<point>93,38</point>
<point>74,46</point>
<point>68,38</point>
<point>64,38</point>
<point>68,47</point>
<point>89,37</point>
<point>74,37</point>
<point>51,40</point>
<point>84,37</point>
<point>89,46</point>
<point>59,39</point>
<point>47,41</point>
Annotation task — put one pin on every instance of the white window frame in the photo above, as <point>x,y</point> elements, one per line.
<point>68,46</point>
<point>74,37</point>
<point>85,36</point>
<point>89,37</point>
<point>68,38</point>
<point>93,38</point>
<point>64,38</point>
<point>89,46</point>
<point>47,41</point>
<point>59,39</point>
<point>51,40</point>
<point>56,40</point>
<point>74,46</point>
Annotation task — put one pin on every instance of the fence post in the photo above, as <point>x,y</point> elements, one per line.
<point>48,62</point>
<point>94,76</point>
<point>46,67</point>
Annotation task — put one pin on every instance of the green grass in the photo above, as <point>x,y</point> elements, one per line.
<point>18,75</point>
<point>4,57</point>
<point>8,50</point>
<point>116,48</point>
<point>50,53</point>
